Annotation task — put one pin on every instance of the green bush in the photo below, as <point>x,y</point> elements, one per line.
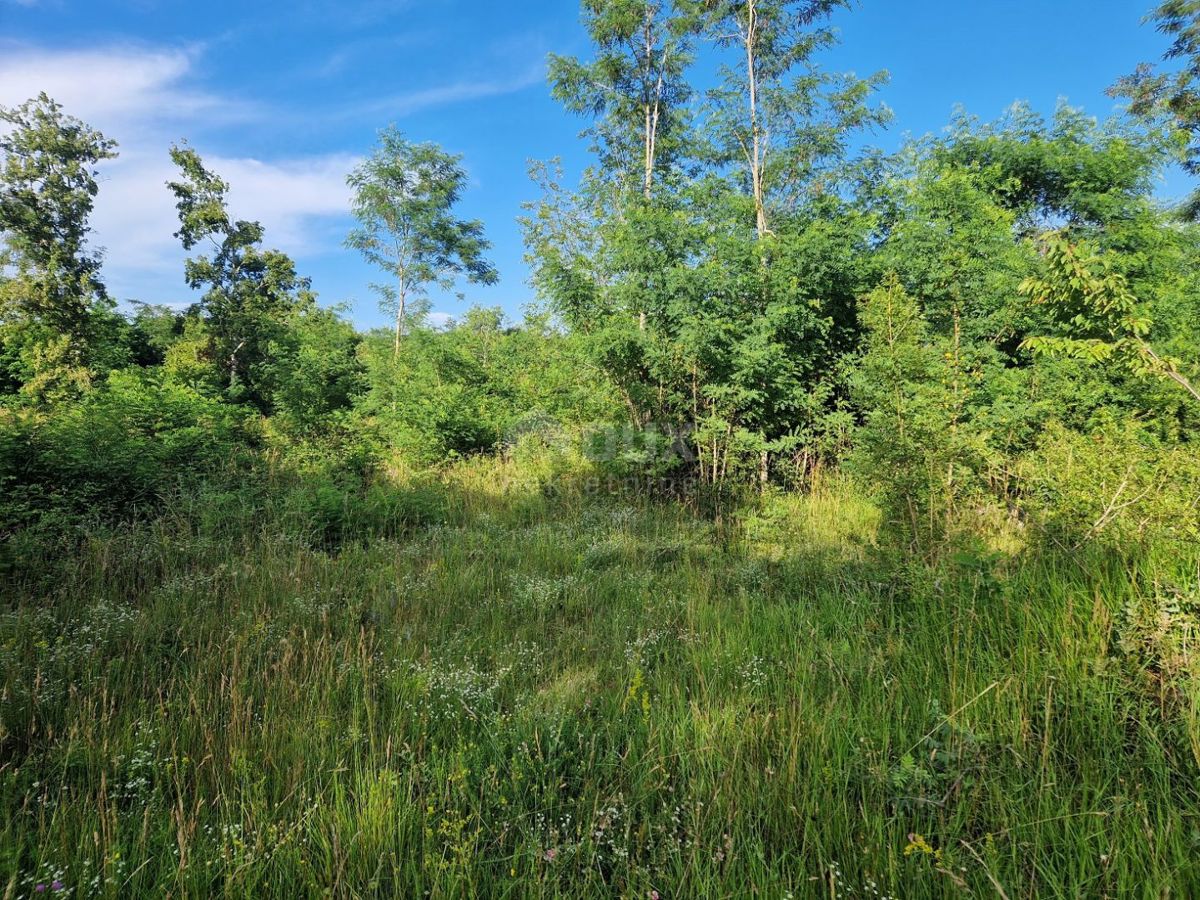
<point>1115,486</point>
<point>331,510</point>
<point>120,448</point>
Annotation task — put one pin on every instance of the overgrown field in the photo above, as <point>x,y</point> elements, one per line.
<point>483,687</point>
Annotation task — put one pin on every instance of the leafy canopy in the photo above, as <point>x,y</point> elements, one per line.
<point>404,199</point>
<point>47,190</point>
<point>1173,95</point>
<point>1100,319</point>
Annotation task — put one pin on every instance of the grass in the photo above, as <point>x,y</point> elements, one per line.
<point>481,688</point>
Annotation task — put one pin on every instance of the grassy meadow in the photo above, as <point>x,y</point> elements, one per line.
<point>825,525</point>
<point>487,685</point>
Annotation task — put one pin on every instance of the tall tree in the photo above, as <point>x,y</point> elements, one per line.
<point>404,199</point>
<point>249,292</point>
<point>47,190</point>
<point>776,115</point>
<point>778,237</point>
<point>702,323</point>
<point>635,88</point>
<point>1173,95</point>
<point>636,91</point>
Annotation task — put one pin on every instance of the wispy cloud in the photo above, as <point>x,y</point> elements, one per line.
<point>410,102</point>
<point>352,14</point>
<point>357,52</point>
<point>295,199</point>
<point>116,87</point>
<point>147,97</point>
<point>144,98</point>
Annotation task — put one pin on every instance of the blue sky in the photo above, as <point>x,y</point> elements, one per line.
<point>283,97</point>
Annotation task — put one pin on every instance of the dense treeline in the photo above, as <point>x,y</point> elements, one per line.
<point>967,374</point>
<point>757,301</point>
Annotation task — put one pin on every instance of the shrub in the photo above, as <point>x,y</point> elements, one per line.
<point>1115,486</point>
<point>118,449</point>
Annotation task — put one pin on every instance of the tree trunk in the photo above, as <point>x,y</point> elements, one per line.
<point>757,149</point>
<point>400,312</point>
<point>233,363</point>
<point>650,109</point>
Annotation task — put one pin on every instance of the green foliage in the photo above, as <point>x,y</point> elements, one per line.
<point>404,199</point>
<point>249,293</point>
<point>498,609</point>
<point>777,119</point>
<point>431,403</point>
<point>1117,486</point>
<point>51,283</point>
<point>1172,95</point>
<point>1159,636</point>
<point>471,388</point>
<point>706,321</point>
<point>636,89</point>
<point>1099,317</point>
<point>121,447</point>
<point>1071,170</point>
<point>153,330</point>
<point>949,760</point>
<point>916,448</point>
<point>314,370</point>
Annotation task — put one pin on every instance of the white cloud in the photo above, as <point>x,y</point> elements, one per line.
<point>135,216</point>
<point>117,88</point>
<point>147,98</point>
<point>399,105</point>
<point>144,98</point>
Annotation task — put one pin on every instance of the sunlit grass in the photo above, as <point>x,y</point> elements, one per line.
<point>489,688</point>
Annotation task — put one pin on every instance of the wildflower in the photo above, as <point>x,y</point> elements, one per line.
<point>917,844</point>
<point>550,854</point>
<point>40,888</point>
<point>56,885</point>
<point>653,895</point>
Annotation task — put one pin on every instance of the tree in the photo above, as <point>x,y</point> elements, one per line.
<point>776,116</point>
<point>1173,95</point>
<point>635,88</point>
<point>778,129</point>
<point>249,293</point>
<point>636,91</point>
<point>404,199</point>
<point>708,320</point>
<point>47,190</point>
<point>1099,317</point>
<point>1072,170</point>
<point>314,369</point>
<point>916,444</point>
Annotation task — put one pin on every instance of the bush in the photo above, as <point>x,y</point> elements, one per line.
<point>1159,635</point>
<point>334,509</point>
<point>120,448</point>
<point>1115,487</point>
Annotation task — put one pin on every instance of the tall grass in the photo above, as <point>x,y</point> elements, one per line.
<point>483,688</point>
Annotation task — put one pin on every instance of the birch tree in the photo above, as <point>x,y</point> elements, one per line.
<point>776,116</point>
<point>635,88</point>
<point>404,199</point>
